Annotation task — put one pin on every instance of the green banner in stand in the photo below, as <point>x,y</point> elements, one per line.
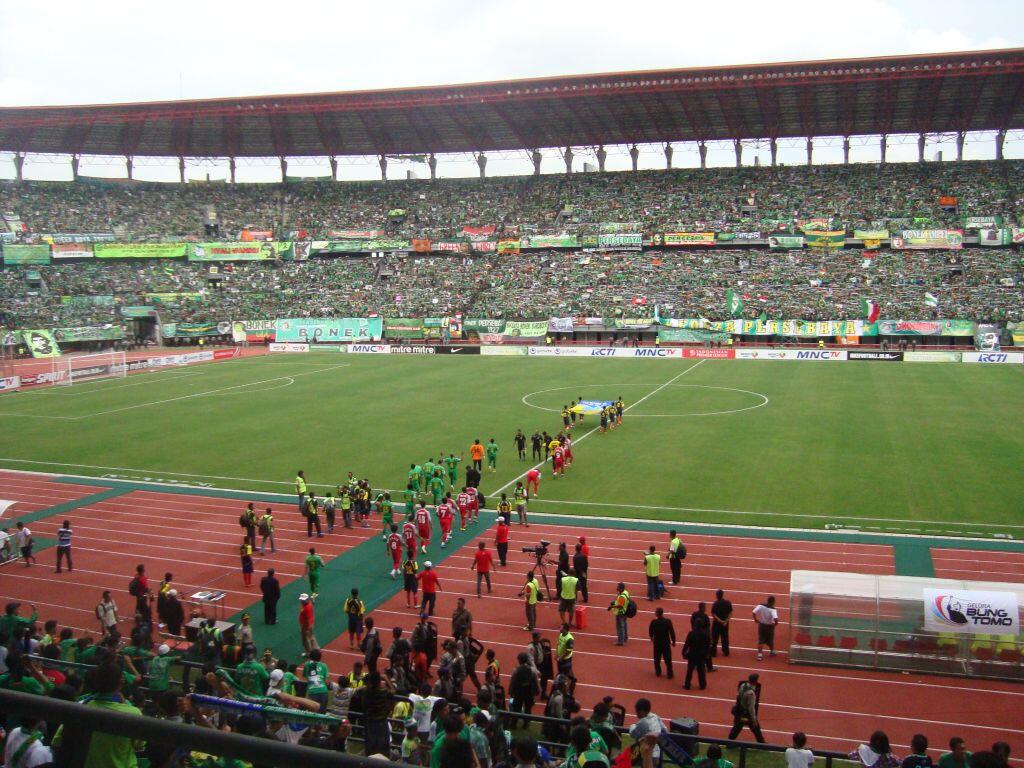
<point>525,329</point>
<point>262,251</point>
<point>140,250</point>
<point>550,241</point>
<point>825,238</point>
<point>138,311</point>
<point>983,222</point>
<point>89,333</point>
<point>17,255</point>
<point>688,335</point>
<point>871,234</point>
<point>484,326</point>
<point>41,343</point>
<point>958,328</point>
<point>87,301</point>
<point>171,299</point>
<point>361,246</point>
<point>329,330</point>
<point>781,242</point>
<point>403,328</point>
<point>191,330</point>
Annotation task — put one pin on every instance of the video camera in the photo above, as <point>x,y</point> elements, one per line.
<point>538,551</point>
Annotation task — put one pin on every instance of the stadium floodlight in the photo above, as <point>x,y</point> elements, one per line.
<point>76,369</point>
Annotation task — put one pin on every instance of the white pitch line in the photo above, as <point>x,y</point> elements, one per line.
<point>208,392</point>
<point>146,472</point>
<point>773,514</point>
<point>593,430</point>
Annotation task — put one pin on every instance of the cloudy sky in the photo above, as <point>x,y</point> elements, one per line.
<point>59,52</point>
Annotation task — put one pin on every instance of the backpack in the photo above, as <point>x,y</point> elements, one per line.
<point>242,521</point>
<point>352,607</point>
<point>264,528</point>
<point>631,608</point>
<point>681,551</point>
<point>135,587</point>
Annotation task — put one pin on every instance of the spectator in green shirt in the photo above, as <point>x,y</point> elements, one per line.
<point>958,756</point>
<point>160,669</point>
<point>316,674</point>
<point>251,676</point>
<point>11,621</point>
<point>107,750</point>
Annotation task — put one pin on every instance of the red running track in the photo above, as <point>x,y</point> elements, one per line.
<point>978,565</point>
<point>836,708</point>
<point>195,538</point>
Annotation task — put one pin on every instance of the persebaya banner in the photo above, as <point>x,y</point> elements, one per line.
<point>777,242</point>
<point>929,238</point>
<point>17,255</point>
<point>171,299</point>
<point>192,330</point>
<point>41,343</point>
<point>689,335</point>
<point>526,329</point>
<point>689,238</point>
<point>621,241</point>
<point>629,323</point>
<point>483,326</point>
<point>795,328</point>
<point>871,234</point>
<point>263,251</point>
<point>330,329</point>
<point>140,250</point>
<point>983,222</point>
<point>825,239</point>
<point>91,333</point>
<point>550,241</point>
<point>403,328</point>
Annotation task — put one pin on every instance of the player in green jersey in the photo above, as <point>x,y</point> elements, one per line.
<point>428,469</point>
<point>492,455</point>
<point>451,463</point>
<point>437,486</point>
<point>416,476</point>
<point>409,497</point>
<point>387,513</point>
<point>313,565</point>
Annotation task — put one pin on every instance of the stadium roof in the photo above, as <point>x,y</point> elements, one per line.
<point>934,93</point>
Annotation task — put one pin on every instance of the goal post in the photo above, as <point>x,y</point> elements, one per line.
<point>77,369</point>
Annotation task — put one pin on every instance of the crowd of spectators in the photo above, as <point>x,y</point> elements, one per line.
<point>715,199</point>
<point>984,284</point>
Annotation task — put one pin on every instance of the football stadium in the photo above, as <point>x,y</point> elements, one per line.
<point>743,342</point>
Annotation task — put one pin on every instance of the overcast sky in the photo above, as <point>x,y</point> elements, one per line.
<point>59,52</point>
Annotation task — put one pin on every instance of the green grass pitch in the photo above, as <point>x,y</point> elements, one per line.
<point>913,447</point>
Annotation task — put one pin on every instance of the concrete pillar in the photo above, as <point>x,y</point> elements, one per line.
<point>810,150</point>
<point>568,160</point>
<point>920,147</point>
<point>668,157</point>
<point>737,147</point>
<point>432,165</point>
<point>773,147</point>
<point>960,138</point>
<point>231,169</point>
<point>634,155</point>
<point>74,166</point>
<point>536,157</point>
<point>481,161</point>
<point>334,168</point>
<point>284,168</point>
<point>846,150</point>
<point>881,143</point>
<point>1000,139</point>
<point>129,164</point>
<point>602,156</point>
<point>181,169</point>
<point>382,161</point>
<point>702,149</point>
<point>19,166</point>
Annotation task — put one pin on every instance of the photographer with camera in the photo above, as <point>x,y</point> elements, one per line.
<point>542,561</point>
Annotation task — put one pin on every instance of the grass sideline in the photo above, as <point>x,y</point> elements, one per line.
<point>917,448</point>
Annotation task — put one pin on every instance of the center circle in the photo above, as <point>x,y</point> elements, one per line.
<point>761,400</point>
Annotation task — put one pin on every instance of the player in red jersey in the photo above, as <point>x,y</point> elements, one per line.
<point>533,482</point>
<point>445,516</point>
<point>567,448</point>
<point>462,502</point>
<point>409,537</point>
<point>558,462</point>
<point>423,526</point>
<point>474,504</point>
<point>394,547</point>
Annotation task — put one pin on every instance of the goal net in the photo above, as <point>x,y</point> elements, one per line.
<point>81,368</point>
